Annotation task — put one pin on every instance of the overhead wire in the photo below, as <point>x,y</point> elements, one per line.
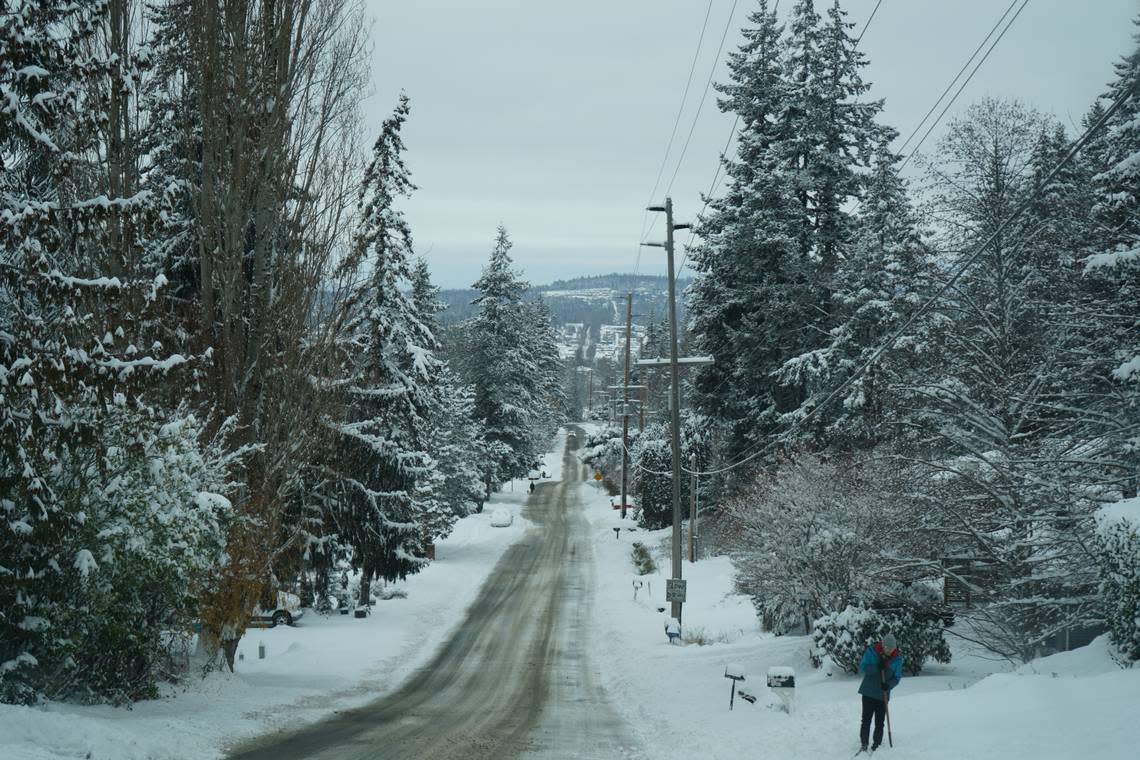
<point>950,103</point>
<point>957,76</point>
<point>704,96</point>
<point>673,133</point>
<point>1074,149</point>
<point>869,20</point>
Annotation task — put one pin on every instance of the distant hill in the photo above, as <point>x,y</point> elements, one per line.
<point>594,301</point>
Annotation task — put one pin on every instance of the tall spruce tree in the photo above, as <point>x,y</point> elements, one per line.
<point>773,242</point>
<point>503,370</point>
<point>384,457</point>
<point>103,489</point>
<point>1112,287</point>
<point>878,286</point>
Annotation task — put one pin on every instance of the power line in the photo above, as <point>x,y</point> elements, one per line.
<point>869,20</point>
<point>962,87</point>
<point>735,124</point>
<point>957,76</point>
<point>957,275</point>
<point>676,124</point>
<point>704,95</point>
<point>681,108</point>
<point>708,195</point>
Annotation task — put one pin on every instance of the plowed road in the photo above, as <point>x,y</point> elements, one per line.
<point>514,682</point>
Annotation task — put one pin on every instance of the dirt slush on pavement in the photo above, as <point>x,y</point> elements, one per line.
<point>515,681</point>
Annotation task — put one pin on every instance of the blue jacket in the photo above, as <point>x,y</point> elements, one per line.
<point>872,686</point>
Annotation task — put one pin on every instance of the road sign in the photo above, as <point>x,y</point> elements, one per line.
<point>675,590</point>
<point>597,475</point>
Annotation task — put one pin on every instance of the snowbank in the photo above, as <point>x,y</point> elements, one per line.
<point>1127,510</point>
<point>676,698</point>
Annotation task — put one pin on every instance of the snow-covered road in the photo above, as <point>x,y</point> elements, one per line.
<point>516,679</point>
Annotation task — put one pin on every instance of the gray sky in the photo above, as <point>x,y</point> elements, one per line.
<point>553,117</point>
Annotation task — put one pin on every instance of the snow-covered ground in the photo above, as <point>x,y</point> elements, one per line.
<point>1072,705</point>
<point>322,665</point>
<point>674,698</point>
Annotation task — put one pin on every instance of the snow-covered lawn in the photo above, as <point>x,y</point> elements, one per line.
<point>1072,705</point>
<point>321,665</point>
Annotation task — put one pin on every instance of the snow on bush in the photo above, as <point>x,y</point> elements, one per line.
<point>602,451</point>
<point>1118,555</point>
<point>652,459</point>
<point>845,635</point>
<point>818,535</point>
<point>146,523</point>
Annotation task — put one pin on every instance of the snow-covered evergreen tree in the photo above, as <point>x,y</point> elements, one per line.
<point>773,242</point>
<point>457,448</point>
<point>1113,284</point>
<point>108,499</point>
<point>502,368</point>
<point>878,285</point>
<point>384,462</point>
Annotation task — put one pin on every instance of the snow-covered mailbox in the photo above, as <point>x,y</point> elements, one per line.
<point>736,673</point>
<point>673,630</point>
<point>782,682</point>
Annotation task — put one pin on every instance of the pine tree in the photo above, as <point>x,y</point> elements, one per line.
<point>550,391</point>
<point>772,244</point>
<point>745,243</point>
<point>502,370</point>
<point>104,492</point>
<point>172,143</point>
<point>457,447</point>
<point>878,285</point>
<point>385,462</point>
<point>1112,286</point>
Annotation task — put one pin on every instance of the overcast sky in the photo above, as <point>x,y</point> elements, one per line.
<point>553,117</point>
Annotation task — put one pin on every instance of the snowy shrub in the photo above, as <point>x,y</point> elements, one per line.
<point>652,454</point>
<point>147,523</point>
<point>1118,555</point>
<point>602,451</point>
<point>654,492</point>
<point>845,635</point>
<point>393,592</point>
<point>815,536</point>
<point>643,560</point>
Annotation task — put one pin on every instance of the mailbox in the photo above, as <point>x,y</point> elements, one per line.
<point>782,682</point>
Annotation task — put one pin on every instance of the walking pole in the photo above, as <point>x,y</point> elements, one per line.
<point>887,711</point>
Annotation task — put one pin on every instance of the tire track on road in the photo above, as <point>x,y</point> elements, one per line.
<point>514,681</point>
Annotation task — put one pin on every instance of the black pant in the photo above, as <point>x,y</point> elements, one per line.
<point>878,709</point>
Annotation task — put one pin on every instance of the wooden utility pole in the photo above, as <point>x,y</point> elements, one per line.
<point>625,405</point>
<point>590,392</point>
<point>693,508</point>
<point>675,401</point>
<point>675,593</point>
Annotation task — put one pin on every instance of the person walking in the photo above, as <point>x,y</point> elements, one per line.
<point>881,667</point>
